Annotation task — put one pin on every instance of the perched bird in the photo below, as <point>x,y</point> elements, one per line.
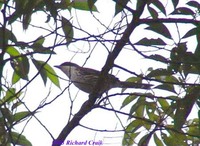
<point>86,78</point>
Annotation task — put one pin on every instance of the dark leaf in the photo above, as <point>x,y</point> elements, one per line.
<point>67,29</point>
<point>194,4</point>
<point>16,104</point>
<point>175,3</point>
<point>190,33</point>
<point>160,29</point>
<point>21,67</point>
<point>5,36</point>
<point>183,11</point>
<point>150,42</point>
<point>154,13</point>
<point>197,51</point>
<point>50,4</point>
<point>166,87</point>
<point>144,141</point>
<point>28,11</point>
<point>157,57</point>
<point>19,10</point>
<point>140,3</point>
<point>120,4</point>
<point>160,6</point>
<point>26,20</point>
<point>184,107</point>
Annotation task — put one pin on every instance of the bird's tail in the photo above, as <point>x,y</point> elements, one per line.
<point>134,85</point>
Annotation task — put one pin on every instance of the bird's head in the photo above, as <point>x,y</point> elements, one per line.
<point>67,67</point>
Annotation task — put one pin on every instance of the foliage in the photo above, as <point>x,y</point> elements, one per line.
<point>163,117</point>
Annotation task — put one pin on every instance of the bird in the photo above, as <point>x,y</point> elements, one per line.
<point>85,79</point>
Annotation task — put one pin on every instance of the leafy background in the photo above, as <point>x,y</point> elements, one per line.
<point>35,35</point>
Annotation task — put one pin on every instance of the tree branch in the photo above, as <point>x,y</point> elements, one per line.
<point>89,104</point>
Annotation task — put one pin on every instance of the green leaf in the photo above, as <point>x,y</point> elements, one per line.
<point>138,107</point>
<point>46,71</point>
<point>128,100</point>
<point>152,116</point>
<point>83,5</point>
<point>128,138</point>
<point>120,4</point>
<point>15,105</point>
<point>160,29</point>
<point>64,4</point>
<point>170,141</point>
<point>10,95</point>
<point>6,114</point>
<point>176,139</point>
<point>21,66</point>
<point>133,80</point>
<point>39,41</point>
<point>144,141</point>
<point>158,142</point>
<point>5,36</point>
<point>19,139</point>
<point>12,51</point>
<point>20,63</point>
<point>39,48</point>
<point>15,78</point>
<point>183,11</point>
<point>91,4</point>
<point>67,29</point>
<point>130,132</point>
<point>140,110</point>
<point>40,68</point>
<point>164,104</point>
<point>51,74</point>
<point>20,116</point>
<point>160,72</point>
<point>150,42</point>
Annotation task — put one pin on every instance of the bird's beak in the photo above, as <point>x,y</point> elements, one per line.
<point>57,66</point>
